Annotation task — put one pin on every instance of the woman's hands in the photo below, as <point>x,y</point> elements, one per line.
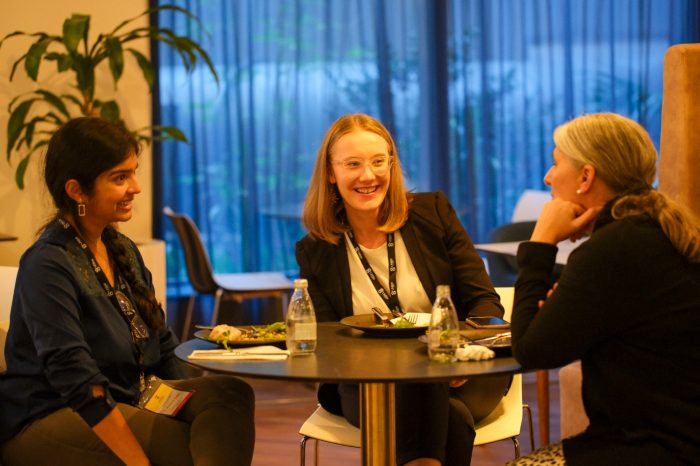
<point>561,219</point>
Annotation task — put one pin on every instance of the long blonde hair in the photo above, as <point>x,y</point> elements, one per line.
<point>323,212</point>
<point>624,157</point>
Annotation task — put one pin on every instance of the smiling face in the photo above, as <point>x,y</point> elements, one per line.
<point>563,177</point>
<point>112,196</point>
<point>363,189</point>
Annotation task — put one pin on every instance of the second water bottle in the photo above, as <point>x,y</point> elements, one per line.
<point>301,320</point>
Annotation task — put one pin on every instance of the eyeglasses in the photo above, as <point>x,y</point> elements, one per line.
<point>139,329</point>
<point>379,165</point>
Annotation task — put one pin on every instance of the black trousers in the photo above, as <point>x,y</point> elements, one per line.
<point>432,419</point>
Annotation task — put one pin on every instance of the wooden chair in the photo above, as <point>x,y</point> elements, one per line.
<point>238,286</point>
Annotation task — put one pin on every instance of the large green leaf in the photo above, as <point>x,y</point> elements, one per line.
<point>21,169</point>
<point>33,60</point>
<point>116,57</point>
<point>161,133</point>
<point>12,34</point>
<point>146,67</point>
<point>16,124</point>
<point>110,111</point>
<point>63,60</point>
<point>74,30</point>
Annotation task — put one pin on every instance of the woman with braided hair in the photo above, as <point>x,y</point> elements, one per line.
<point>627,303</point>
<point>87,334</point>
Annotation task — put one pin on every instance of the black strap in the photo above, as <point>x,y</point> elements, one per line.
<point>391,298</point>
<point>111,291</point>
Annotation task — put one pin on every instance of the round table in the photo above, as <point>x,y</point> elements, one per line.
<point>344,354</point>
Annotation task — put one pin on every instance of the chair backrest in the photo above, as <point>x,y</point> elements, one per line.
<point>199,269</point>
<point>529,205</point>
<point>8,276</point>
<point>503,269</point>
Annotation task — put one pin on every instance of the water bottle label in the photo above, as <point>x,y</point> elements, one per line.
<point>305,331</point>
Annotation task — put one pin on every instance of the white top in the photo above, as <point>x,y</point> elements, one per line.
<point>412,296</point>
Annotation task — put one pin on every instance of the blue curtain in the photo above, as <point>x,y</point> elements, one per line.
<point>470,89</point>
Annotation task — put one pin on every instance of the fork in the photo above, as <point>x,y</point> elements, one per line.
<point>383,319</point>
<point>412,318</point>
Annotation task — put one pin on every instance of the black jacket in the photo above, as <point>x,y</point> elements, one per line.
<point>66,335</point>
<point>440,250</point>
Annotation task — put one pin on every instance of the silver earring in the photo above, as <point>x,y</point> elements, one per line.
<point>578,191</point>
<point>81,210</point>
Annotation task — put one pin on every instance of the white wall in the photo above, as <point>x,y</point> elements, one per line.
<point>23,212</point>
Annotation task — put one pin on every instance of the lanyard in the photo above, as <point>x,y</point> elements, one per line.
<point>133,321</point>
<point>391,298</point>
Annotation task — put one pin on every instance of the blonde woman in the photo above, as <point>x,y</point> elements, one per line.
<point>357,202</point>
<point>627,304</point>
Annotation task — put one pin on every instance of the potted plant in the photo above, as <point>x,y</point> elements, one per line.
<point>36,115</point>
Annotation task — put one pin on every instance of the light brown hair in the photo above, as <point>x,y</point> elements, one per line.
<point>624,157</point>
<point>324,214</point>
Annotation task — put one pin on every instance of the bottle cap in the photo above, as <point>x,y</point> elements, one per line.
<point>443,290</point>
<point>301,283</point>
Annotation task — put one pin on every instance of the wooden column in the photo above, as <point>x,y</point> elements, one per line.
<point>679,159</point>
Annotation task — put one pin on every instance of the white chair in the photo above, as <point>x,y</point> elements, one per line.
<point>529,205</point>
<point>503,423</point>
<point>8,276</point>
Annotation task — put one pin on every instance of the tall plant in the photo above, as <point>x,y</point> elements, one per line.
<point>36,115</point>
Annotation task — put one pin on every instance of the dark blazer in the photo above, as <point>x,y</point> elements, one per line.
<point>440,250</point>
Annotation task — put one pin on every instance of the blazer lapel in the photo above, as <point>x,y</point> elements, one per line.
<point>343,268</point>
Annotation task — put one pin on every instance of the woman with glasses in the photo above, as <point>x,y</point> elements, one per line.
<point>87,334</point>
<point>357,201</point>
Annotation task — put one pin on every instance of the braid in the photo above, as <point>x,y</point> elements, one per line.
<point>144,298</point>
<point>679,225</point>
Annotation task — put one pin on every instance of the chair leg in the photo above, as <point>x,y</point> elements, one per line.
<point>217,303</point>
<point>302,451</point>
<point>543,405</point>
<point>528,411</point>
<point>302,458</point>
<point>516,444</point>
<point>188,318</point>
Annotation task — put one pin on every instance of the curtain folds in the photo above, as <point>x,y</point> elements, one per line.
<point>470,89</point>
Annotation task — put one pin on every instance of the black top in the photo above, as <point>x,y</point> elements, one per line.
<point>440,250</point>
<point>66,335</point>
<point>628,306</point>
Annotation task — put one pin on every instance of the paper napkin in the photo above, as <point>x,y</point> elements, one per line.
<point>253,353</point>
<point>474,353</point>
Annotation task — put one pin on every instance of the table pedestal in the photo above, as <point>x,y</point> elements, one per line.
<point>378,424</point>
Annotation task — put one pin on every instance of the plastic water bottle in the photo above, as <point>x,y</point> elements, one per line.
<point>443,336</point>
<point>301,320</point>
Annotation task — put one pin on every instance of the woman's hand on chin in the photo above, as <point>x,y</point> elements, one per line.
<point>561,219</point>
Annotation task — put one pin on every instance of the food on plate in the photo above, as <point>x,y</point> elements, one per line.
<point>223,332</point>
<point>404,323</point>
